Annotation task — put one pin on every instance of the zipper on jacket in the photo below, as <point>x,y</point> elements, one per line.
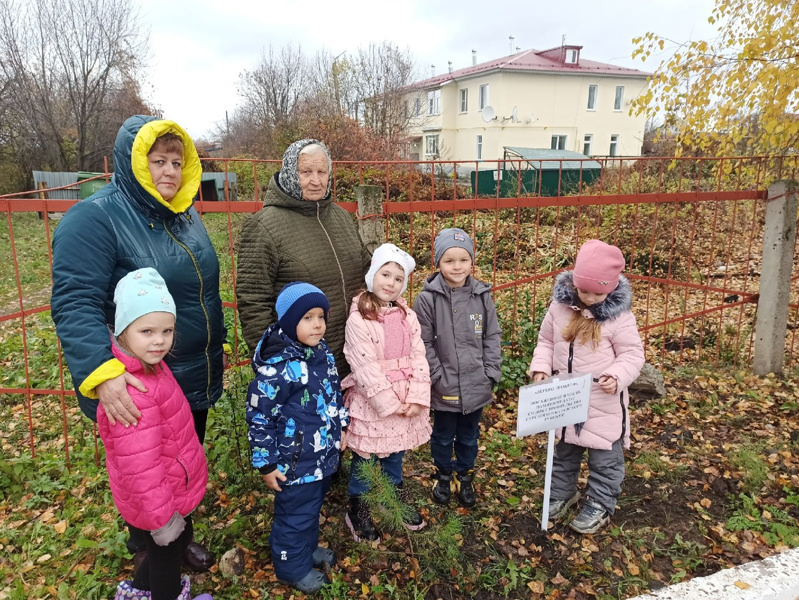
<point>295,455</point>
<point>340,271</point>
<point>571,355</point>
<point>569,370</point>
<point>185,469</point>
<point>202,305</point>
<point>623,415</point>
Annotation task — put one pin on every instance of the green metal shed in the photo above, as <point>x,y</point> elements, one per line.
<point>537,172</point>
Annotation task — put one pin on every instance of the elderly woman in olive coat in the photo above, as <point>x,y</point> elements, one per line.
<point>300,235</point>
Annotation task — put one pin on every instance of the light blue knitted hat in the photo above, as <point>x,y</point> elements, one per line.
<point>139,293</point>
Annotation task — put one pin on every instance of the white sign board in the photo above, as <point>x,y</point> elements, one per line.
<point>552,403</point>
<point>547,405</point>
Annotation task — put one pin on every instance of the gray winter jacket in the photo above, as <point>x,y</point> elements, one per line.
<point>462,336</point>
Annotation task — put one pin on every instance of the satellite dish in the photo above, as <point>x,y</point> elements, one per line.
<point>488,113</point>
<point>514,115</point>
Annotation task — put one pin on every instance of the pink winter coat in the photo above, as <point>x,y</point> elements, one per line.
<point>620,354</point>
<point>377,387</point>
<point>158,467</point>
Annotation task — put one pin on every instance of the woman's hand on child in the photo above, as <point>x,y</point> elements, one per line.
<point>117,403</point>
<point>538,376</point>
<point>271,480</point>
<point>608,384</point>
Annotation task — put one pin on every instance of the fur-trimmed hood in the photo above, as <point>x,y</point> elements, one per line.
<point>617,302</point>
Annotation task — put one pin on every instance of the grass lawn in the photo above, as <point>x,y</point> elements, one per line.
<point>712,481</point>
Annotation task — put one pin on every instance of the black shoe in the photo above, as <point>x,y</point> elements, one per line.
<point>465,489</point>
<point>359,520</point>
<point>411,517</point>
<point>197,558</point>
<point>442,490</point>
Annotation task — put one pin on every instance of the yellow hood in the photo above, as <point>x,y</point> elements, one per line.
<point>192,169</point>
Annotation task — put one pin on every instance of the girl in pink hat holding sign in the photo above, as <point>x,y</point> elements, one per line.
<point>589,328</point>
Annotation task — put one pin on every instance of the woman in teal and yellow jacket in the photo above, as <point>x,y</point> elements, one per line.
<point>143,218</point>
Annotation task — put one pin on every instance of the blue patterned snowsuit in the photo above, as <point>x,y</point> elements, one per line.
<point>295,413</point>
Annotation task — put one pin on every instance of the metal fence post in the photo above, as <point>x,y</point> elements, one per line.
<point>371,220</point>
<point>779,235</point>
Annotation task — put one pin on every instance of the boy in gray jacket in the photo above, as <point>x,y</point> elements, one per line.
<point>462,336</point>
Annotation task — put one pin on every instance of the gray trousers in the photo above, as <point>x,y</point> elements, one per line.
<point>605,473</point>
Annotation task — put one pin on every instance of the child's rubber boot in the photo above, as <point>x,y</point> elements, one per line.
<point>125,591</point>
<point>442,489</point>
<point>323,556</point>
<point>411,518</point>
<point>359,520</point>
<point>311,583</point>
<point>464,490</point>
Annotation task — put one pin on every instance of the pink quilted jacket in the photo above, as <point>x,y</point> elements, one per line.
<point>157,467</point>
<point>377,387</point>
<point>620,354</point>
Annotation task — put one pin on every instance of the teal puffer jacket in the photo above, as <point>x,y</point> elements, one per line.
<point>124,227</point>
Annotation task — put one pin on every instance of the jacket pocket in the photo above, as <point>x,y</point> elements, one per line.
<point>185,470</point>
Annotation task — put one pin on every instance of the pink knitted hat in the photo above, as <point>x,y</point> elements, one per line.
<point>598,267</point>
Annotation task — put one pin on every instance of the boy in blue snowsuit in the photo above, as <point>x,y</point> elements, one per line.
<point>296,417</point>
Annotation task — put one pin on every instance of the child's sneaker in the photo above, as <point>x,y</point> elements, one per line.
<point>558,508</point>
<point>311,583</point>
<point>464,489</point>
<point>442,489</point>
<point>591,519</point>
<point>359,520</point>
<point>411,517</point>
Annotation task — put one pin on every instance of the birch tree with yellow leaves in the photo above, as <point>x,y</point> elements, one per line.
<point>736,94</point>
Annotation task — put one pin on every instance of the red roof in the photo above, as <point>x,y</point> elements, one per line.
<point>543,61</point>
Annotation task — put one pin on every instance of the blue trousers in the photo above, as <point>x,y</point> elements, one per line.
<point>458,432</point>
<point>391,465</point>
<point>295,529</point>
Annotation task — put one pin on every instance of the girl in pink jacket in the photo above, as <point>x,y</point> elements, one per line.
<point>156,469</point>
<point>589,328</point>
<point>388,390</point>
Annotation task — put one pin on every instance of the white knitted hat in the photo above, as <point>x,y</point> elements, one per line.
<point>390,253</point>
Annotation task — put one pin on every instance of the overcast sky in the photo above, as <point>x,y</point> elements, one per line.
<point>199,47</point>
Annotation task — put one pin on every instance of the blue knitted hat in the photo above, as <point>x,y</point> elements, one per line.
<point>139,293</point>
<point>296,299</point>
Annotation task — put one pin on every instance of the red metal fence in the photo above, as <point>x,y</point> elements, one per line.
<point>691,230</point>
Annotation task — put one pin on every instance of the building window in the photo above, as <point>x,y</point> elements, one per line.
<point>614,145</point>
<point>482,100</point>
<point>464,100</point>
<point>587,143</point>
<point>417,107</point>
<point>619,100</point>
<point>571,56</point>
<point>431,145</point>
<point>558,142</point>
<point>434,102</point>
<point>479,147</point>
<point>592,89</point>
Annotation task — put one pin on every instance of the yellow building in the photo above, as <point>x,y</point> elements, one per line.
<point>548,99</point>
